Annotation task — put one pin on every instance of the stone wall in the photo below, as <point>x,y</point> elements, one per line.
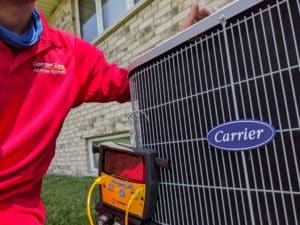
<point>147,25</point>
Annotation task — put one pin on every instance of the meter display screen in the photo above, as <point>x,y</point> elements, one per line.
<point>124,165</point>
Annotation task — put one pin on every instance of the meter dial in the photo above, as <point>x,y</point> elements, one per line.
<point>128,166</point>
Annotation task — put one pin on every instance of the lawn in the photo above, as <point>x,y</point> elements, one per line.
<point>65,199</point>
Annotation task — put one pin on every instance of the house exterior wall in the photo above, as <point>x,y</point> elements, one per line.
<point>62,17</point>
<point>147,25</point>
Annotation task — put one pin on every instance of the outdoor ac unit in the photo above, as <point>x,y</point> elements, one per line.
<point>241,63</point>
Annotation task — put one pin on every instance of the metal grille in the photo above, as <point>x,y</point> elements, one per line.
<point>248,67</point>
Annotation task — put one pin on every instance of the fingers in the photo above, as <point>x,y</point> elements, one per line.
<point>191,17</point>
<point>195,15</point>
<point>204,12</point>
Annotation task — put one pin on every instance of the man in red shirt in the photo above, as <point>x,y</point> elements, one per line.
<point>44,72</point>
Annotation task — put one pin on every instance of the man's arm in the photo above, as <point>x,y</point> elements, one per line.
<point>98,80</point>
<point>103,82</point>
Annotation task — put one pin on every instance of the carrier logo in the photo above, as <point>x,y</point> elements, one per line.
<point>241,135</point>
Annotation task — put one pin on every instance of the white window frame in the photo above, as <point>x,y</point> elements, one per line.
<point>99,15</point>
<point>93,168</point>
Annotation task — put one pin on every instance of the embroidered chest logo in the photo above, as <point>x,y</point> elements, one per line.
<point>46,67</point>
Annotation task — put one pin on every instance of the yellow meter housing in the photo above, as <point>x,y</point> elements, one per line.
<point>116,193</point>
<point>127,170</point>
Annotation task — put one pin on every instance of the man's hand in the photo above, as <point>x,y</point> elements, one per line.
<point>196,14</point>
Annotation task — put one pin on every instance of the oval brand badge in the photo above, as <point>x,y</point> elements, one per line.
<point>241,135</point>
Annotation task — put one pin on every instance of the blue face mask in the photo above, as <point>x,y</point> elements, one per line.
<point>27,39</point>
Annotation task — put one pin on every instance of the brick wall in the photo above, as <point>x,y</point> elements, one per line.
<point>146,28</point>
<point>158,21</point>
<point>63,17</point>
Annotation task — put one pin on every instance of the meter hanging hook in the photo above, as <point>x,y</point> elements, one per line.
<point>139,112</point>
<point>137,125</point>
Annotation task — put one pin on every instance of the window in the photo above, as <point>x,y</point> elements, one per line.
<point>113,10</point>
<point>95,16</point>
<point>94,158</point>
<point>88,19</point>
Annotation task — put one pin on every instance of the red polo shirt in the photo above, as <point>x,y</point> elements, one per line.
<point>38,87</point>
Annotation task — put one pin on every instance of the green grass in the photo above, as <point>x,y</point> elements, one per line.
<point>65,199</point>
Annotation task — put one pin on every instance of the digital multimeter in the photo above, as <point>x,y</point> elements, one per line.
<point>127,170</point>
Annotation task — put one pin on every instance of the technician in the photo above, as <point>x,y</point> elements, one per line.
<point>44,72</point>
